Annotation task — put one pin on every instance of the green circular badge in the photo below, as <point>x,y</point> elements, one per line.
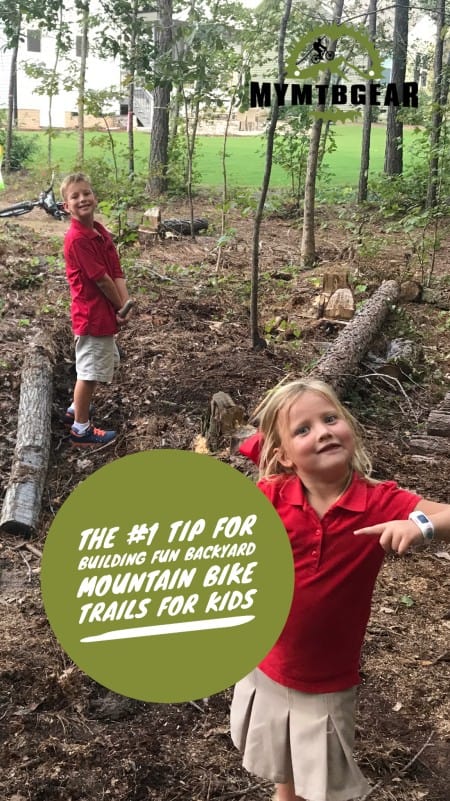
<point>167,576</point>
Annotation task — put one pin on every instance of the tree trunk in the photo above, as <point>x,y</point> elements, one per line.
<point>339,365</point>
<point>22,502</point>
<point>367,114</point>
<point>82,80</point>
<point>159,144</point>
<point>130,128</point>
<point>308,247</point>
<point>12,102</point>
<point>437,114</point>
<point>257,341</point>
<point>393,160</point>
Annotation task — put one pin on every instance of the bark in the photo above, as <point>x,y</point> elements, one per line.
<point>437,297</point>
<point>430,446</point>
<point>224,418</point>
<point>22,502</point>
<point>308,247</point>
<point>82,80</point>
<point>339,365</point>
<point>438,423</point>
<point>367,115</point>
<point>393,160</point>
<point>159,144</point>
<point>130,121</point>
<point>257,341</point>
<point>438,111</point>
<point>12,101</point>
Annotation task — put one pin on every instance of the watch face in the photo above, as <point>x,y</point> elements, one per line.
<point>422,519</point>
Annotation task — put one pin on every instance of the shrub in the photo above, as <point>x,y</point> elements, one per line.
<point>22,150</point>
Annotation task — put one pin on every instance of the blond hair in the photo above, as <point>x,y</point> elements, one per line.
<point>73,178</point>
<point>284,395</point>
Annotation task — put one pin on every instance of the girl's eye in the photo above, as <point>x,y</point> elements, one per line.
<point>331,418</point>
<point>300,432</point>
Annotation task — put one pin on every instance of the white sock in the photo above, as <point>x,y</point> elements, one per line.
<point>71,408</point>
<point>81,428</point>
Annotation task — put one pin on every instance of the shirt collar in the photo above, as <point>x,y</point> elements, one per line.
<point>354,498</point>
<point>90,233</point>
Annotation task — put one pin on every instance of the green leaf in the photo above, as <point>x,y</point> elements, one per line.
<point>407,600</point>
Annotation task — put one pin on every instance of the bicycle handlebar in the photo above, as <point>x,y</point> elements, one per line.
<point>46,201</point>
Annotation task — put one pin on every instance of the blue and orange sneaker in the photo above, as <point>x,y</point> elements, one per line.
<point>69,417</point>
<point>91,438</point>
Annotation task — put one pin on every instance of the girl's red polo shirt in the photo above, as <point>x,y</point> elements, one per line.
<point>90,254</point>
<point>335,572</point>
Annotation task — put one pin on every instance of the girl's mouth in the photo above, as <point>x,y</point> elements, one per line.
<point>331,447</point>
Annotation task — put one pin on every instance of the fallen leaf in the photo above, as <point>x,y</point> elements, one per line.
<point>407,600</point>
<point>397,707</point>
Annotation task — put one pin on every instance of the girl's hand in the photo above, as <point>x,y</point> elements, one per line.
<point>395,535</point>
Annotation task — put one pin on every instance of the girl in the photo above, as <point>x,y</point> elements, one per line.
<point>293,716</point>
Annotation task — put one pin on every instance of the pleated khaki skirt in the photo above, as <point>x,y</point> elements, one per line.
<point>306,739</point>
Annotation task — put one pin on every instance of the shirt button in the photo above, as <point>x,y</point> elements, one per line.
<point>314,553</point>
<point>317,532</point>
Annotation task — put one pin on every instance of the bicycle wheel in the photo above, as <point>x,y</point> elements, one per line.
<point>18,209</point>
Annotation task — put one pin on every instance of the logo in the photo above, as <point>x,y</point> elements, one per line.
<point>158,575</point>
<point>313,55</point>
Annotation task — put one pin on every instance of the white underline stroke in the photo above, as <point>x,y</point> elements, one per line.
<point>171,628</point>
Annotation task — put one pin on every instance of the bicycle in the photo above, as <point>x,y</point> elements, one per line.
<point>46,201</point>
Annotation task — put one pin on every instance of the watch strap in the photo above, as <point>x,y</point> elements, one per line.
<point>424,523</point>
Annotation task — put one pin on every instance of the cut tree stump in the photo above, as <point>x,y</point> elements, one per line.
<point>22,501</point>
<point>224,419</point>
<point>339,365</point>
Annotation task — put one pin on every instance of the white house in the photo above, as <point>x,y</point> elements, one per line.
<point>39,48</point>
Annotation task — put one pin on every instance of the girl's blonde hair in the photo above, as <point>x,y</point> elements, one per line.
<point>73,178</point>
<point>284,395</point>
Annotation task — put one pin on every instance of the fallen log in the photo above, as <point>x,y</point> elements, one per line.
<point>430,446</point>
<point>22,501</point>
<point>438,422</point>
<point>339,365</point>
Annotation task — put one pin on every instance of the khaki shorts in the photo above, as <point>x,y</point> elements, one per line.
<point>302,738</point>
<point>96,358</point>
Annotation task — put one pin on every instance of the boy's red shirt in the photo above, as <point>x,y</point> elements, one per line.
<point>335,572</point>
<point>89,255</point>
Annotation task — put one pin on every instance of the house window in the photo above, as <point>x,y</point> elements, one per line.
<point>34,41</point>
<point>79,46</point>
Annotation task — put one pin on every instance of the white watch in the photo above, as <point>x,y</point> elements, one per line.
<point>424,523</point>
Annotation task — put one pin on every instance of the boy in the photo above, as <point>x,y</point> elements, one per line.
<point>98,291</point>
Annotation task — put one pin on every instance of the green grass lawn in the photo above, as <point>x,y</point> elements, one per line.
<point>245,155</point>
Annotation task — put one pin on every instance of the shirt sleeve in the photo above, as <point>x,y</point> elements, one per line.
<point>251,447</point>
<point>394,503</point>
<point>83,255</point>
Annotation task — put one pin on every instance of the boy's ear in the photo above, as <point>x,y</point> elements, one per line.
<point>282,459</point>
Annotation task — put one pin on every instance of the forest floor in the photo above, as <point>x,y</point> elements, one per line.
<point>63,737</point>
